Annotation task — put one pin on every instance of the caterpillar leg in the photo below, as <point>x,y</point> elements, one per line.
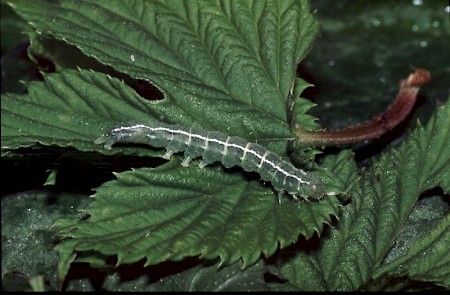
<point>186,161</point>
<point>202,164</point>
<point>168,154</point>
<point>280,196</point>
<point>108,141</point>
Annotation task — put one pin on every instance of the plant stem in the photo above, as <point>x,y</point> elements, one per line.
<point>376,127</point>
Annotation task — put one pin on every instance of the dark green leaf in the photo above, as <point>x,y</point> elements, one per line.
<point>169,213</point>
<point>368,226</point>
<point>224,66</point>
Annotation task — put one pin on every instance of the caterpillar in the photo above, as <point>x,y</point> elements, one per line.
<point>214,146</point>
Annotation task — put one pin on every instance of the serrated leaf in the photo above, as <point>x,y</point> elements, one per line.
<point>339,173</point>
<point>380,205</point>
<point>241,51</point>
<point>210,278</point>
<point>298,116</point>
<point>224,66</point>
<point>421,163</point>
<point>208,213</point>
<point>302,106</point>
<point>199,278</point>
<point>428,260</point>
<point>69,109</point>
<point>424,218</point>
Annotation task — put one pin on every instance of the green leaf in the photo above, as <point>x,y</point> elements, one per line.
<point>209,212</point>
<point>198,278</point>
<point>426,215</point>
<point>69,109</point>
<point>51,178</point>
<point>75,107</point>
<point>14,27</point>
<point>426,261</point>
<point>302,154</point>
<point>37,283</point>
<point>368,226</point>
<point>25,230</point>
<point>224,66</point>
<point>243,54</point>
<point>302,106</point>
<point>26,219</point>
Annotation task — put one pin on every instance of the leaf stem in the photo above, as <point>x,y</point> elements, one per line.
<point>376,127</point>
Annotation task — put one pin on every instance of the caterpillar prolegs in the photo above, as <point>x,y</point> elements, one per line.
<point>214,146</point>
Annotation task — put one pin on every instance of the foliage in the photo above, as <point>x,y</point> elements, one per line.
<point>226,66</point>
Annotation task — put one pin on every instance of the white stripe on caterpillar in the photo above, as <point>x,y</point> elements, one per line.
<point>214,146</point>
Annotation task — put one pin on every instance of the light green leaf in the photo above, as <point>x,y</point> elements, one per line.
<point>368,226</point>
<point>51,178</point>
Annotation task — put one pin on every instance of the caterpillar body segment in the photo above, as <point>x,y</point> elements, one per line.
<point>215,146</point>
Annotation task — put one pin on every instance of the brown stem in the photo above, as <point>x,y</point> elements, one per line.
<point>379,125</point>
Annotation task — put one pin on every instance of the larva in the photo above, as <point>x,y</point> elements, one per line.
<point>213,146</point>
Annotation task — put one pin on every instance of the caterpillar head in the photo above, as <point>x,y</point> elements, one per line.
<point>315,190</point>
<point>137,133</point>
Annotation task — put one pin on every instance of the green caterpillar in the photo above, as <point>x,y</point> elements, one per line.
<point>214,146</point>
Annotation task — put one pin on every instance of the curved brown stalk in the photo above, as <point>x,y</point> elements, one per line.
<point>376,127</point>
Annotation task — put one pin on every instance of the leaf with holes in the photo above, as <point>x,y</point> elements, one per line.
<point>223,66</point>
